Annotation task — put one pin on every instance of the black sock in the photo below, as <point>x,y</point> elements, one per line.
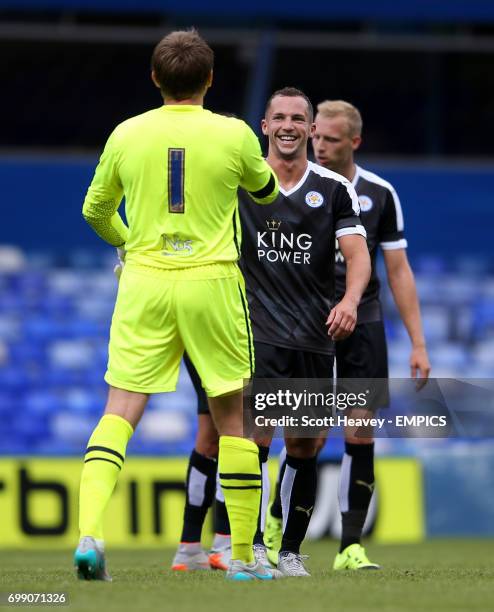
<point>221,521</point>
<point>199,491</point>
<point>298,496</point>
<point>263,459</point>
<point>276,509</point>
<point>356,488</point>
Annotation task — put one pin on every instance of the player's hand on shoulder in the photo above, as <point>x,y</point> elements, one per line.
<point>342,320</point>
<point>420,366</point>
<point>117,270</point>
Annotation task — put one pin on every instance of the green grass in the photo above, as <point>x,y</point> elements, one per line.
<point>436,575</point>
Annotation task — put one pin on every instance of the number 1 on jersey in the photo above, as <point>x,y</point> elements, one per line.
<point>176,174</point>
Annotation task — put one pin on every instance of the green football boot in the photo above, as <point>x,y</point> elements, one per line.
<point>353,557</point>
<point>273,533</point>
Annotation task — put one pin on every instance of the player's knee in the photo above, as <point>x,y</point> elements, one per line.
<point>302,448</point>
<point>353,439</point>
<point>207,443</point>
<point>263,440</point>
<point>207,438</point>
<point>207,448</point>
<point>320,442</point>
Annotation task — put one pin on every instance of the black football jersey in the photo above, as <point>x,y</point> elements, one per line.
<point>382,217</point>
<point>288,250</point>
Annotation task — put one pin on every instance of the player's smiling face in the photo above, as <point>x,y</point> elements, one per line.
<point>333,146</point>
<point>288,127</point>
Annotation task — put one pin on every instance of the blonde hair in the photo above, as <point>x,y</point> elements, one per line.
<point>334,108</point>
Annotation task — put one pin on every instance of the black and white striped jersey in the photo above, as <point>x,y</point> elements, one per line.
<point>382,217</point>
<point>288,250</point>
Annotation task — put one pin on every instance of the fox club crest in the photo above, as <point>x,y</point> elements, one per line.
<point>314,199</point>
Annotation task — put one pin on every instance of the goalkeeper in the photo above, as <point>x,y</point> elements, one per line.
<point>180,288</point>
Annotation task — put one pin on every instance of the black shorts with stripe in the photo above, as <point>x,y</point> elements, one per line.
<point>364,354</point>
<point>280,362</point>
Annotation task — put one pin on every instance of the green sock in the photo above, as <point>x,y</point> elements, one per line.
<point>240,478</point>
<point>104,458</point>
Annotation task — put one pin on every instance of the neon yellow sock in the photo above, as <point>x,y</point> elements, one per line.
<point>104,458</point>
<point>240,478</point>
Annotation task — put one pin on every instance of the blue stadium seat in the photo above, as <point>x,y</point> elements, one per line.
<point>11,303</point>
<point>98,309</point>
<point>65,282</point>
<point>62,377</point>
<point>73,429</point>
<point>13,378</point>
<point>40,403</point>
<point>25,353</point>
<point>81,400</point>
<point>436,322</point>
<point>55,306</point>
<point>71,354</point>
<point>39,327</point>
<point>9,405</point>
<point>483,317</point>
<point>483,354</point>
<point>29,429</point>
<point>164,426</point>
<point>429,265</point>
<point>449,355</point>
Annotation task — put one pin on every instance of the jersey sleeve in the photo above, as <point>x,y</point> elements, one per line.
<point>104,197</point>
<point>257,177</point>
<point>391,226</point>
<point>347,211</point>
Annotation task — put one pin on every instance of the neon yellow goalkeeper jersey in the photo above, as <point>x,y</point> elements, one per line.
<point>179,168</point>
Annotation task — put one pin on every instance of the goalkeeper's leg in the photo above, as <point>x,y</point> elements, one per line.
<point>239,473</point>
<point>104,458</point>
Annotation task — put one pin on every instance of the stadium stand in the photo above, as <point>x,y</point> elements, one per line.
<point>54,324</point>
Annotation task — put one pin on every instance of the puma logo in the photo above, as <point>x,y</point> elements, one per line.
<point>306,510</point>
<point>366,484</point>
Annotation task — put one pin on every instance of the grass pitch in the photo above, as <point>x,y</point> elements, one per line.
<point>436,575</point>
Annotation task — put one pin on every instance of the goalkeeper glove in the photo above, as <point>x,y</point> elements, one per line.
<point>117,270</point>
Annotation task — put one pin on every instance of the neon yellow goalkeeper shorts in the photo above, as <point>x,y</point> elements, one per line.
<point>159,313</point>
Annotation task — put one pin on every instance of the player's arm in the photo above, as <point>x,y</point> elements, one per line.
<point>104,197</point>
<point>343,317</point>
<point>351,237</point>
<point>257,177</point>
<point>402,283</point>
